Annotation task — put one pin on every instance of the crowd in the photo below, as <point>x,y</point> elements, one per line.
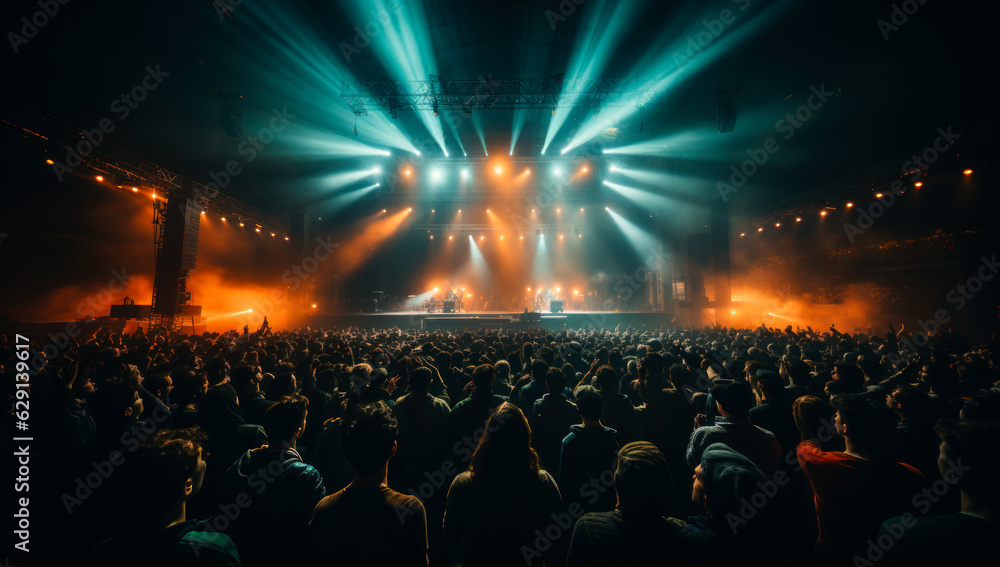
<point>515,447</point>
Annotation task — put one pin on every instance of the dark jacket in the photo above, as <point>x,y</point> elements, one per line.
<point>587,466</point>
<point>275,493</point>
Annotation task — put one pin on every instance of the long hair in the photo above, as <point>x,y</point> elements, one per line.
<point>504,453</point>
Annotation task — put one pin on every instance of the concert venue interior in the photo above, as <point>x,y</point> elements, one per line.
<point>436,167</point>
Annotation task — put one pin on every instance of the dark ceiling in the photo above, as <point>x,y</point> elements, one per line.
<point>935,70</point>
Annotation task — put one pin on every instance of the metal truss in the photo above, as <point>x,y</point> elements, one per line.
<point>124,167</point>
<point>460,227</point>
<point>489,93</point>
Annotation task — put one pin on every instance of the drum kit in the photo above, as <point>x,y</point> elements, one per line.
<point>452,303</point>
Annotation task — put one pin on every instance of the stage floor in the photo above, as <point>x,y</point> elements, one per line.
<point>492,320</point>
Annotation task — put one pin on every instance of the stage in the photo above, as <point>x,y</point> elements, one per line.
<point>491,320</point>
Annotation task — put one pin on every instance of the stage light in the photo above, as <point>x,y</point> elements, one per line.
<point>383,210</point>
<point>135,189</point>
<point>406,172</point>
<point>465,174</point>
<point>154,196</point>
<point>432,210</point>
<point>249,310</point>
<point>732,312</point>
<point>460,210</point>
<point>481,238</point>
<point>557,171</point>
<point>822,213</point>
<point>497,170</point>
<point>463,289</point>
<point>557,289</point>
<point>257,229</point>
<point>378,184</point>
<point>581,209</point>
<point>451,237</point>
<point>560,237</point>
<point>50,162</point>
<point>798,219</point>
<point>487,210</point>
<point>558,210</point>
<point>521,237</point>
<point>272,235</point>
<point>436,175</point>
<point>777,225</point>
<point>241,225</point>
<point>432,237</point>
<point>878,195</point>
<point>849,205</point>
<point>613,168</point>
<point>761,229</point>
<point>584,169</point>
<point>376,170</point>
<point>203,212</point>
<point>501,237</point>
<point>607,208</point>
<point>435,290</point>
<point>286,238</point>
<point>409,209</point>
<point>99,178</point>
<point>743,234</point>
<point>967,172</point>
<point>532,210</point>
<point>576,292</point>
<point>469,296</point>
<point>918,184</point>
<point>527,172</point>
<point>580,235</point>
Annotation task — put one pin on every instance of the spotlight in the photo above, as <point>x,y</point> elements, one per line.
<point>451,237</point>
<point>761,229</point>
<point>203,212</point>
<point>532,210</point>
<point>849,205</point>
<point>557,171</point>
<point>798,219</point>
<point>257,229</point>
<point>465,174</point>
<point>777,225</point>
<point>406,172</point>
<point>314,306</point>
<point>50,162</point>
<point>558,210</point>
<point>581,209</point>
<point>223,219</point>
<point>527,172</point>
<point>822,213</point>
<point>436,174</point>
<point>522,238</point>
<point>154,196</point>
<point>497,170</point>
<point>557,289</point>
<point>135,189</point>
<point>378,184</point>
<point>460,210</point>
<point>487,210</point>
<point>732,312</point>
<point>743,234</point>
<point>576,292</point>
<point>432,210</point>
<point>584,169</point>
<point>272,235</point>
<point>560,238</point>
<point>409,209</point>
<point>967,172</point>
<point>918,184</point>
<point>432,237</point>
<point>286,238</point>
<point>383,210</point>
<point>99,178</point>
<point>878,195</point>
<point>242,225</point>
<point>481,238</point>
<point>607,208</point>
<point>614,168</point>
